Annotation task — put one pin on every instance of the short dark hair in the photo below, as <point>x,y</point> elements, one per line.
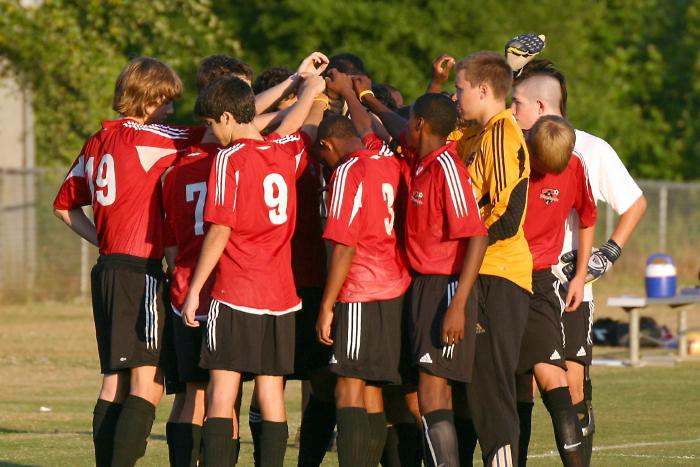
<point>270,78</point>
<point>439,111</point>
<point>347,63</point>
<point>383,93</point>
<point>214,66</point>
<point>544,67</point>
<point>226,93</point>
<point>336,126</point>
<point>487,67</point>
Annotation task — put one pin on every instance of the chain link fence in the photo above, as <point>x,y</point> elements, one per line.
<point>42,260</point>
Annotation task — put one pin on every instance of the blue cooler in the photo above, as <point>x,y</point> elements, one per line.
<point>660,277</point>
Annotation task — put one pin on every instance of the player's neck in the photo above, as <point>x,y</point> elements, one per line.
<point>429,144</point>
<point>246,131</point>
<point>490,110</point>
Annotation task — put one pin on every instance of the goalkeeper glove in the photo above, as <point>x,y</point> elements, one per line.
<point>523,48</point>
<point>600,262</point>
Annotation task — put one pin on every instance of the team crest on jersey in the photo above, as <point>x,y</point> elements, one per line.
<point>549,195</point>
<point>417,198</point>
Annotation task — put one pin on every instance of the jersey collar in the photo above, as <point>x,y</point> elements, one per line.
<point>421,164</point>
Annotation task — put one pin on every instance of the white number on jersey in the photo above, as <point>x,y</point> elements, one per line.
<point>104,186</point>
<point>277,204</point>
<point>388,194</point>
<point>190,191</point>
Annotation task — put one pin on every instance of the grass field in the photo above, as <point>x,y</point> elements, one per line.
<point>645,417</point>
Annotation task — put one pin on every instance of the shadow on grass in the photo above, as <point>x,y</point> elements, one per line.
<point>14,464</point>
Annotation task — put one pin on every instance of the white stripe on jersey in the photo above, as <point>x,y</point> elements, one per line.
<point>456,190</point>
<point>339,187</point>
<point>287,139</point>
<point>78,169</point>
<point>221,163</point>
<point>356,204</point>
<point>161,130</point>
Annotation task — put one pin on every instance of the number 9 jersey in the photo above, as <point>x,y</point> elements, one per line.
<point>252,190</point>
<point>118,172</point>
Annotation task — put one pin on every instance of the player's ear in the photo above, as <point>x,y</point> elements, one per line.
<point>483,89</point>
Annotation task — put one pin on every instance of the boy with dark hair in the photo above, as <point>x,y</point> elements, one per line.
<point>365,287</point>
<point>541,90</point>
<point>499,167</point>
<point>251,211</point>
<point>558,184</point>
<point>270,78</point>
<point>118,173</point>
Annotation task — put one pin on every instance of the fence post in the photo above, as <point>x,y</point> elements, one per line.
<point>663,213</point>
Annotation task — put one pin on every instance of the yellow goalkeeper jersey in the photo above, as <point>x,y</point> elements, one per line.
<point>499,166</point>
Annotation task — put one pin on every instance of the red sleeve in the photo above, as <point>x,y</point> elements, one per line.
<point>222,190</point>
<point>375,143</point>
<point>345,203</point>
<point>296,145</point>
<point>585,204</point>
<point>461,212</point>
<point>169,226</point>
<point>160,146</point>
<point>75,190</point>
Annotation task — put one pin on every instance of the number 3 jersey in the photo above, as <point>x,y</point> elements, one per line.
<point>251,189</point>
<point>184,195</point>
<point>361,214</point>
<point>118,172</point>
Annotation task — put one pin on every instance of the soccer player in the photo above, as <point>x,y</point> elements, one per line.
<point>541,90</point>
<point>270,78</point>
<point>251,211</point>
<point>558,184</point>
<point>366,280</point>
<point>118,173</point>
<point>498,164</point>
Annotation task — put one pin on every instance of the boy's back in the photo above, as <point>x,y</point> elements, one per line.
<point>252,190</point>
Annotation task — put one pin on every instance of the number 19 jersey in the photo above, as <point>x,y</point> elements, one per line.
<point>252,190</point>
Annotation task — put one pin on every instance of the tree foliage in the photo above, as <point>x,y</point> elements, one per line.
<point>629,63</point>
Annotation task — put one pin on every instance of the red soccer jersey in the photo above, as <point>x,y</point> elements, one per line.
<point>184,195</point>
<point>308,250</point>
<point>118,172</point>
<point>361,214</point>
<point>440,213</point>
<point>251,190</point>
<point>550,199</point>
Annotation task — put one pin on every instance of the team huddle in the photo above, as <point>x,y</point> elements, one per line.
<point>426,267</point>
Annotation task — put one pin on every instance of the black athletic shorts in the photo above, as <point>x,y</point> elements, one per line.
<point>367,340</point>
<point>543,341</point>
<point>578,326</point>
<point>430,297</point>
<point>310,354</point>
<point>188,346</point>
<point>127,306</point>
<point>247,342</point>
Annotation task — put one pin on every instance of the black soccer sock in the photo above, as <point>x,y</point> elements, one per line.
<point>317,426</point>
<point>132,430</point>
<point>273,443</point>
<point>390,454</point>
<point>236,450</point>
<point>525,416</point>
<point>104,421</point>
<point>410,444</point>
<point>376,437</point>
<point>254,421</point>
<point>440,434</point>
<point>589,425</point>
<point>567,429</point>
<point>353,442</point>
<point>184,442</point>
<point>217,437</point>
<point>466,439</point>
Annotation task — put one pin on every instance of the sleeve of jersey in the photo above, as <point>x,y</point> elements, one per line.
<point>345,205</point>
<point>159,146</point>
<point>461,211</point>
<point>507,183</point>
<point>296,145</point>
<point>375,143</point>
<point>616,185</point>
<point>222,191</point>
<point>585,204</point>
<point>75,190</point>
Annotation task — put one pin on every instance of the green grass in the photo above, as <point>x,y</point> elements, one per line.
<point>645,416</point>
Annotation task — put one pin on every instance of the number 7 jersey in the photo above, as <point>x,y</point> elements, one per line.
<point>252,190</point>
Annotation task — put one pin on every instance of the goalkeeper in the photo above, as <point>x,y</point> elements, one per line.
<point>540,89</point>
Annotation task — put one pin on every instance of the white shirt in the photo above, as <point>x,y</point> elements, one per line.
<point>610,182</point>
